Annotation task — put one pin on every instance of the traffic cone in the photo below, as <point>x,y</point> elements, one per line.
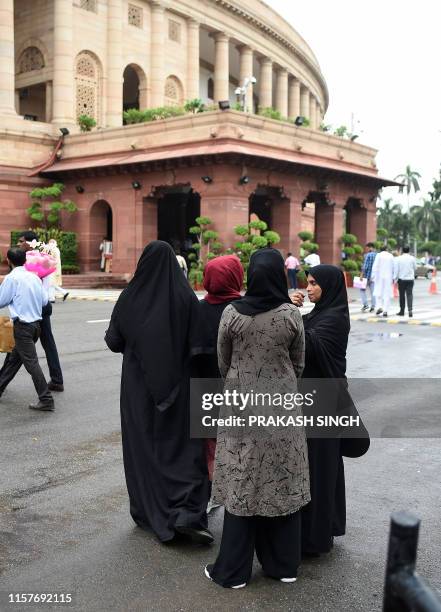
<point>396,294</point>
<point>433,288</point>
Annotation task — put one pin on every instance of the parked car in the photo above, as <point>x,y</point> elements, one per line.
<point>424,269</point>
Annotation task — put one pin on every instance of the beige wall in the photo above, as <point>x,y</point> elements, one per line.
<point>34,23</point>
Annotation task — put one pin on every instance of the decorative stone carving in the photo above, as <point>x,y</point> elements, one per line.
<point>173,92</point>
<point>135,15</point>
<point>88,5</point>
<point>87,86</point>
<point>174,30</point>
<point>31,59</point>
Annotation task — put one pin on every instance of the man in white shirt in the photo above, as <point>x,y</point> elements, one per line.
<point>24,294</point>
<point>382,276</point>
<point>312,260</point>
<point>404,272</point>
<point>292,264</point>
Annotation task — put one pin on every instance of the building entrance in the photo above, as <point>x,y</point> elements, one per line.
<point>177,211</point>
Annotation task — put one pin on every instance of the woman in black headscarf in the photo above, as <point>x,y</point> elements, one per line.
<point>327,329</point>
<point>260,476</point>
<point>153,324</point>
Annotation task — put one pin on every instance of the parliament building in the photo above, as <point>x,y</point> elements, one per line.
<point>61,59</point>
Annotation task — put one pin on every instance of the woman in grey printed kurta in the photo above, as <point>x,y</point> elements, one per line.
<point>262,473</point>
<point>261,476</point>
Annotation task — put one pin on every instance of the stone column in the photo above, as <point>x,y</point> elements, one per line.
<point>266,83</point>
<point>192,59</point>
<point>312,112</point>
<point>294,98</point>
<point>221,67</point>
<point>304,102</point>
<point>328,231</point>
<point>49,93</point>
<point>115,67</point>
<point>63,75</point>
<point>246,71</point>
<point>7,61</point>
<point>282,92</point>
<point>319,118</point>
<point>157,76</point>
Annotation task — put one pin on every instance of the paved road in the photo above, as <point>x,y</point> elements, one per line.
<point>427,308</point>
<point>64,516</point>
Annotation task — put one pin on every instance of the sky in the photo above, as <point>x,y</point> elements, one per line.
<point>381,60</point>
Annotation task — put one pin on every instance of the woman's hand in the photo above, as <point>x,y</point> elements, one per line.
<point>297,298</point>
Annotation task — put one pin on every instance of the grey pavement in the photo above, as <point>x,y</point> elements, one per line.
<point>64,520</point>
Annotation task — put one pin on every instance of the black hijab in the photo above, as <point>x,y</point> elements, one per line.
<point>157,316</point>
<point>266,283</point>
<point>327,329</point>
<point>327,326</point>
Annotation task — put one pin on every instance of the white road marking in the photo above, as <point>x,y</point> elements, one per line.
<point>99,321</point>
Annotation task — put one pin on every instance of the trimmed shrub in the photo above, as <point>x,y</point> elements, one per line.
<point>67,243</point>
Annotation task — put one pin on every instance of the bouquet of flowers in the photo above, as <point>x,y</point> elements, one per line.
<point>40,259</point>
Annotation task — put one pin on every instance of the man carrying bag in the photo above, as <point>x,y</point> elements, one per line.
<point>24,294</point>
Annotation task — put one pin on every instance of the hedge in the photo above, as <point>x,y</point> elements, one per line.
<point>67,243</point>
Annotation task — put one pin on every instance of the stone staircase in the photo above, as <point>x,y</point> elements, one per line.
<point>95,280</point>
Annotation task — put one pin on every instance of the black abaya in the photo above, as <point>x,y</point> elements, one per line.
<point>152,325</point>
<point>326,336</point>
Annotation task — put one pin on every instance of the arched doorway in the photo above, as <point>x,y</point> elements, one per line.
<point>100,234</point>
<point>130,89</point>
<point>178,208</point>
<point>134,88</point>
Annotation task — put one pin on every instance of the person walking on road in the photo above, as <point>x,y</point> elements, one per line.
<point>366,272</point>
<point>292,266</point>
<point>47,339</point>
<point>383,277</point>
<point>404,272</point>
<point>24,294</point>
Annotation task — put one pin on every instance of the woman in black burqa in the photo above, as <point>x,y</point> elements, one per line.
<point>153,324</point>
<point>327,329</point>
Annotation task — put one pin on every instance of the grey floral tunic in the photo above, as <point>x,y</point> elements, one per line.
<point>262,471</point>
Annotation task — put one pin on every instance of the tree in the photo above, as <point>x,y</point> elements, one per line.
<point>435,198</point>
<point>387,213</point>
<point>426,218</point>
<point>46,205</point>
<point>409,180</point>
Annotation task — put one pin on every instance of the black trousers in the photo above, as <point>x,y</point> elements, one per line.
<point>292,277</point>
<point>25,335</point>
<point>405,289</point>
<point>276,541</point>
<point>50,348</point>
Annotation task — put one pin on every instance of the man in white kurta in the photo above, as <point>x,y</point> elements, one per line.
<point>383,276</point>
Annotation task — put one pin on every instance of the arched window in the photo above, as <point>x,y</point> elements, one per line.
<point>87,81</point>
<point>31,59</point>
<point>210,88</point>
<point>173,92</point>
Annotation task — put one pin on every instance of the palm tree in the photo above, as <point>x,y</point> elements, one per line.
<point>387,214</point>
<point>409,180</point>
<point>426,218</point>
